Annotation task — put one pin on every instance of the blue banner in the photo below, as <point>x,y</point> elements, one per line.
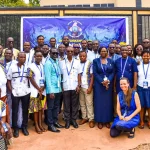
<point>103,29</point>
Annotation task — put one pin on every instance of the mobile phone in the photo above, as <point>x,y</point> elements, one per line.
<point>5,127</point>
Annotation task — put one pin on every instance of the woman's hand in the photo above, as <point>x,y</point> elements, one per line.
<point>105,83</point>
<point>42,88</point>
<point>127,118</point>
<point>2,132</point>
<point>121,117</point>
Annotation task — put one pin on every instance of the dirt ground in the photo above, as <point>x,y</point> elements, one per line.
<point>83,138</point>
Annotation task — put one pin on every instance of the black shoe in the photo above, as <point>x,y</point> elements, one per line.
<point>67,125</point>
<point>16,133</point>
<point>131,134</point>
<point>57,125</point>
<point>53,129</point>
<point>25,131</point>
<point>74,123</point>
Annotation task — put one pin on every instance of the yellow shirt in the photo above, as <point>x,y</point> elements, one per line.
<point>15,53</point>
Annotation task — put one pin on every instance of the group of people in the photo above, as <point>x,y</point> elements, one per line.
<point>87,78</point>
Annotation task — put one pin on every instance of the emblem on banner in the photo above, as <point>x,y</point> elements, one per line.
<point>75,29</point>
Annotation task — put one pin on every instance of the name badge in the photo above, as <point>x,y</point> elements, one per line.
<point>41,82</point>
<point>105,78</point>
<point>145,85</point>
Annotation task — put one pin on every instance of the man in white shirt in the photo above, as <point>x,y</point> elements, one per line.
<point>76,51</point>
<point>46,56</point>
<point>45,53</point>
<point>3,81</point>
<point>71,73</point>
<point>61,49</point>
<point>10,45</point>
<point>95,48</point>
<point>7,63</point>
<point>18,85</point>
<point>84,48</point>
<point>65,41</point>
<point>29,53</point>
<point>86,91</point>
<point>52,42</point>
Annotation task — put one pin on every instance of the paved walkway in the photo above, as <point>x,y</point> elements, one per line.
<point>83,138</point>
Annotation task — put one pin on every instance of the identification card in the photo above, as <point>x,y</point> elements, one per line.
<point>145,85</point>
<point>105,78</point>
<point>41,82</point>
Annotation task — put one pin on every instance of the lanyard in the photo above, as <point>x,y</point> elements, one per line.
<point>46,59</point>
<point>70,68</point>
<point>5,65</point>
<point>83,69</point>
<point>28,58</point>
<point>122,71</point>
<point>103,67</point>
<point>22,74</point>
<point>56,70</point>
<point>40,69</point>
<point>145,74</point>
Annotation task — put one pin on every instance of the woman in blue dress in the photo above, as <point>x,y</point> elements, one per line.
<point>103,71</point>
<point>128,108</point>
<point>125,67</point>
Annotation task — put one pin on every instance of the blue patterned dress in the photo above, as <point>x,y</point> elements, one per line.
<point>103,99</point>
<point>128,110</point>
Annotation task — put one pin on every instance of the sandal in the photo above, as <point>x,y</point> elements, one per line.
<point>148,124</point>
<point>42,129</point>
<point>38,131</point>
<point>107,125</point>
<point>100,125</point>
<point>141,125</point>
<point>131,134</point>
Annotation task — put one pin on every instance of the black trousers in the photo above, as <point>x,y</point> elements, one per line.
<point>61,101</point>
<point>53,108</point>
<point>25,105</point>
<point>114,132</point>
<point>71,105</point>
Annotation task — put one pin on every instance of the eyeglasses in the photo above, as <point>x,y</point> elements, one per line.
<point>112,47</point>
<point>54,53</point>
<point>69,51</point>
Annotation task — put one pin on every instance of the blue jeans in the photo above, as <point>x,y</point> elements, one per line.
<point>53,108</point>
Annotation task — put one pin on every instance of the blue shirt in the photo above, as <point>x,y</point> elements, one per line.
<point>52,76</point>
<point>115,57</point>
<point>131,67</point>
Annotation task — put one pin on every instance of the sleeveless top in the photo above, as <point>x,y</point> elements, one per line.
<point>127,111</point>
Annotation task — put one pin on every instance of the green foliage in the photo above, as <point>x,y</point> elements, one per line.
<point>34,2</point>
<point>19,3</point>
